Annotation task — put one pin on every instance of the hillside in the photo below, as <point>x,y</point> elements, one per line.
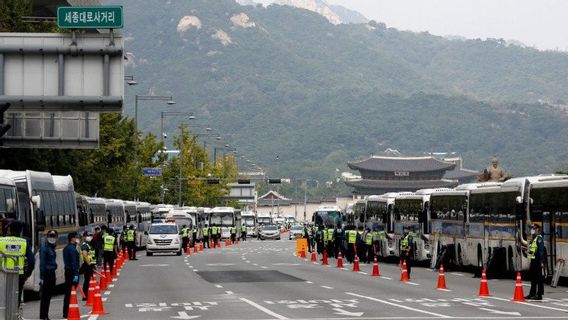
<point>282,80</point>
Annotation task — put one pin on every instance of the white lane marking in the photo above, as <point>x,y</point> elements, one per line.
<point>255,264</point>
<point>155,265</point>
<point>111,285</point>
<point>219,286</point>
<point>446,290</point>
<point>361,272</point>
<point>264,267</point>
<point>412,283</point>
<point>247,261</point>
<point>397,305</point>
<point>529,304</point>
<point>229,292</point>
<point>93,317</point>
<point>104,299</point>
<point>106,293</point>
<point>220,264</point>
<point>285,264</point>
<point>128,305</point>
<point>512,313</point>
<point>386,278</point>
<point>309,282</point>
<point>457,274</point>
<point>263,309</point>
<point>195,270</point>
<point>326,287</point>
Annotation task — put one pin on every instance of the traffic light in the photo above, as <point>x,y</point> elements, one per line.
<point>274,181</point>
<point>212,181</point>
<point>243,181</point>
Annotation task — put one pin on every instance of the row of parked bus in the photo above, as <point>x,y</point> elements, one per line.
<point>477,224</point>
<point>43,201</point>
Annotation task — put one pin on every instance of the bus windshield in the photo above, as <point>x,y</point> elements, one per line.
<point>248,221</point>
<point>448,207</point>
<point>327,218</point>
<point>264,220</point>
<point>225,219</point>
<point>548,201</point>
<point>376,211</point>
<point>408,209</point>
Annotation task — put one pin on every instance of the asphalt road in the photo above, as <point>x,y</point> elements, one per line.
<point>265,280</point>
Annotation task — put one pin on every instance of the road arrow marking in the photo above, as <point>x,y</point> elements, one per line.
<point>184,316</point>
<point>511,313</point>
<point>347,313</point>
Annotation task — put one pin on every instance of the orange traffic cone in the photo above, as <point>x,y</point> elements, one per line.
<point>324,260</point>
<point>103,281</point>
<point>108,276</point>
<point>376,272</point>
<point>201,246</point>
<point>314,258</point>
<point>195,250</point>
<point>98,302</point>
<point>519,296</point>
<point>188,251</point>
<point>483,288</point>
<point>441,279</point>
<point>114,274</point>
<point>404,272</point>
<point>340,260</point>
<point>91,292</point>
<point>303,254</point>
<point>356,264</point>
<point>218,244</point>
<point>73,313</point>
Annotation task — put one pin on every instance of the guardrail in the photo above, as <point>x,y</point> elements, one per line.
<point>9,294</point>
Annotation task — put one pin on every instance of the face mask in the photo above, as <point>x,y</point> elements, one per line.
<point>533,232</point>
<point>88,239</point>
<point>52,240</point>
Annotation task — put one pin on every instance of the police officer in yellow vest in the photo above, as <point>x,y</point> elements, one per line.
<point>193,236</point>
<point>244,233</point>
<point>368,257</point>
<point>131,242</point>
<point>205,232</point>
<point>214,234</point>
<point>109,250</point>
<point>89,261</point>
<point>406,249</point>
<point>233,232</point>
<point>15,246</point>
<point>351,242</point>
<point>184,237</point>
<point>329,240</point>
<point>536,269</point>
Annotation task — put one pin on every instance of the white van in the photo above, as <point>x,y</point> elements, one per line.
<point>163,237</point>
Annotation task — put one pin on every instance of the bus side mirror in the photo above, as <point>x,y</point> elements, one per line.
<point>36,200</point>
<point>519,200</point>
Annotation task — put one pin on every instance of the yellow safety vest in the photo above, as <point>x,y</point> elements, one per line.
<point>404,242</point>
<point>108,243</point>
<point>15,247</point>
<point>329,235</point>
<point>205,232</point>
<point>243,229</point>
<point>369,239</point>
<point>352,236</point>
<point>185,233</point>
<point>130,235</point>
<point>533,246</point>
<point>90,254</point>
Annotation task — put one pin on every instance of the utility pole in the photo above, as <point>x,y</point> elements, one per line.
<point>180,164</point>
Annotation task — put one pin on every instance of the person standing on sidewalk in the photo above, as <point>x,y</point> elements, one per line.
<point>71,262</point>
<point>47,267</point>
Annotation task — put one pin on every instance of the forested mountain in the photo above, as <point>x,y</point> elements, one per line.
<point>282,80</point>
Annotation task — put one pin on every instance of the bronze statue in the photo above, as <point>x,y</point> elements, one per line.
<point>494,173</point>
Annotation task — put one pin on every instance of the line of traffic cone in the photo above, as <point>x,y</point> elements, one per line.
<point>376,272</point>
<point>519,296</point>
<point>324,259</point>
<point>441,279</point>
<point>404,272</point>
<point>340,260</point>
<point>483,287</point>
<point>98,307</point>
<point>356,264</point>
<point>91,292</point>
<point>73,313</point>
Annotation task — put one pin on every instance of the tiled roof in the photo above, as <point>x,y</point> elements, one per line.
<point>460,174</point>
<point>406,164</point>
<point>401,184</point>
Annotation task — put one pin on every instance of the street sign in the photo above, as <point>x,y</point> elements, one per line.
<point>151,172</point>
<point>103,17</point>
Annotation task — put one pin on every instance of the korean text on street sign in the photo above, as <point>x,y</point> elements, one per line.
<point>107,17</point>
<point>151,172</point>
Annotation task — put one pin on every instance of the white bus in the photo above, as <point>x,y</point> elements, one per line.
<point>325,216</point>
<point>411,211</point>
<point>225,218</point>
<point>249,221</point>
<point>8,200</point>
<point>379,211</point>
<point>263,219</point>
<point>44,202</point>
<point>116,214</point>
<point>548,207</point>
<point>143,221</point>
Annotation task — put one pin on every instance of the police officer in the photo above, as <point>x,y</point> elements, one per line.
<point>306,235</point>
<point>233,232</point>
<point>131,242</point>
<point>361,243</point>
<point>536,269</point>
<point>338,242</point>
<point>193,235</point>
<point>13,244</point>
<point>205,232</point>
<point>109,250</point>
<point>47,267</point>
<point>123,239</point>
<point>320,236</point>
<point>351,243</point>
<point>406,249</point>
<point>89,261</point>
<point>368,246</point>
<point>329,241</point>
<point>184,236</point>
<point>214,235</point>
<point>71,263</point>
<point>244,233</point>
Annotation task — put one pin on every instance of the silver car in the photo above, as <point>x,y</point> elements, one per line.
<point>296,232</point>
<point>270,232</point>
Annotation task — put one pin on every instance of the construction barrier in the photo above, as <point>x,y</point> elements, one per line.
<point>301,245</point>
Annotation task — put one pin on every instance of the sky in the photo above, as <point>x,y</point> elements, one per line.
<point>538,23</point>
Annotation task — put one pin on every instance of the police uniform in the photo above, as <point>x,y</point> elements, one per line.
<point>14,250</point>
<point>244,233</point>
<point>536,257</point>
<point>88,264</point>
<point>193,236</point>
<point>351,242</point>
<point>329,242</point>
<point>369,246</point>
<point>214,236</point>
<point>184,237</point>
<point>109,244</point>
<point>406,254</point>
<point>124,240</point>
<point>131,243</point>
<point>233,232</point>
<point>206,236</point>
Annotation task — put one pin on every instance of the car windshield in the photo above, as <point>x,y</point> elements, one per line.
<point>271,228</point>
<point>163,229</point>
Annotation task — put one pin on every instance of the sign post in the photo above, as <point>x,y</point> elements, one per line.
<point>103,17</point>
